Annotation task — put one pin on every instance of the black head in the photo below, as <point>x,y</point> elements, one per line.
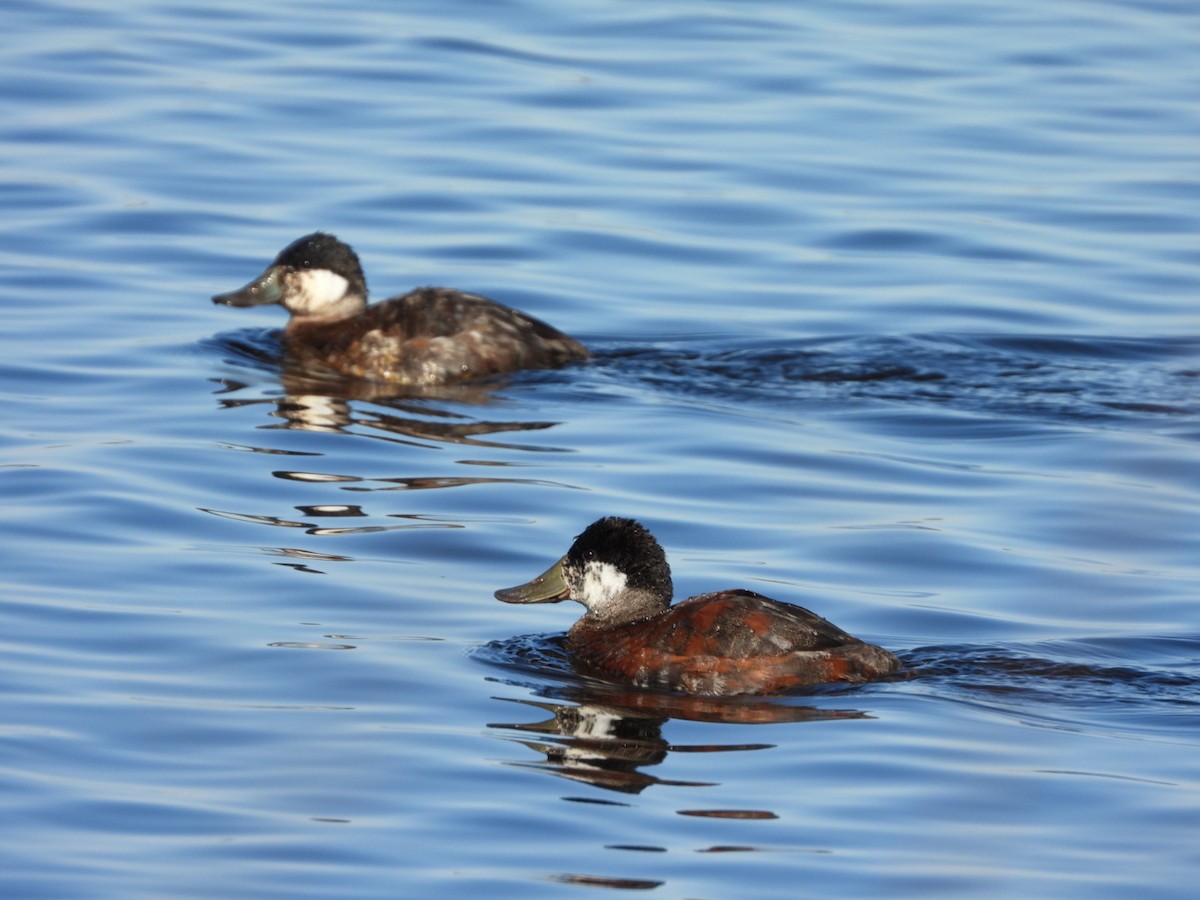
<point>629,548</point>
<point>615,568</point>
<point>316,276</point>
<point>324,251</point>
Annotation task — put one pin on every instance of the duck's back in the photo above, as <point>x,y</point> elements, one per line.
<point>729,642</point>
<point>432,336</point>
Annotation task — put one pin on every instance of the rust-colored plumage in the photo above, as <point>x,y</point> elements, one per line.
<point>723,643</point>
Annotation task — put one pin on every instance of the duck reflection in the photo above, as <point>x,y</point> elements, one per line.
<point>295,398</point>
<point>313,517</point>
<point>606,736</point>
<point>319,399</point>
<point>419,418</point>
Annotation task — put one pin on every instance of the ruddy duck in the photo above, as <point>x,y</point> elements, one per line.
<point>429,336</point>
<point>723,643</point>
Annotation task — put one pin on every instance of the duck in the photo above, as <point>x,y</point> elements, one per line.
<point>723,643</point>
<point>429,336</point>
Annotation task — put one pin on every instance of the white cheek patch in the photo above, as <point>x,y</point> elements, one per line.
<point>315,292</point>
<point>595,724</point>
<point>602,583</point>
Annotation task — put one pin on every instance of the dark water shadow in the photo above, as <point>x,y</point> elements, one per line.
<point>605,734</point>
<point>1108,381</point>
<point>1088,381</point>
<point>1066,675</point>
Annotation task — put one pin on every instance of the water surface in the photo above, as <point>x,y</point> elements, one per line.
<point>893,312</point>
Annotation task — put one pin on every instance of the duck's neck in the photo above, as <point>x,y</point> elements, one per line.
<point>633,605</point>
<point>345,307</point>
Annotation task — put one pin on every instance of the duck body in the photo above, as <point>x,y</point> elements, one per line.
<point>728,642</point>
<point>429,336</point>
<point>723,643</point>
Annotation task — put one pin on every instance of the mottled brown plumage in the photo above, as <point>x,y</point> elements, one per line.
<point>429,336</point>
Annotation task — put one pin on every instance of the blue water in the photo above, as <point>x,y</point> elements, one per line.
<point>894,315</point>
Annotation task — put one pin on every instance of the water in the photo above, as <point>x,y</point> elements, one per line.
<point>894,317</point>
